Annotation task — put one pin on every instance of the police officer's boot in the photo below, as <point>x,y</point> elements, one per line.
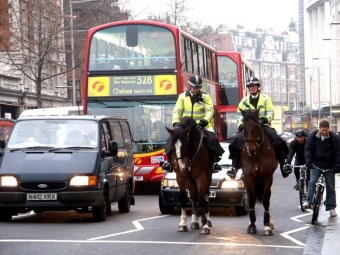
<point>166,165</point>
<point>281,157</point>
<point>234,166</point>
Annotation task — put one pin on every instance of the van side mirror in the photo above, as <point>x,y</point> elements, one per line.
<point>2,144</point>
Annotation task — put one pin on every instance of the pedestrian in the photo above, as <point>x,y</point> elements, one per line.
<point>322,151</point>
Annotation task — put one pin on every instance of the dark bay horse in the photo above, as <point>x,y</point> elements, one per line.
<point>190,161</point>
<point>258,162</point>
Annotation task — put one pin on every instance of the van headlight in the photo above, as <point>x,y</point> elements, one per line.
<point>8,181</point>
<point>83,181</point>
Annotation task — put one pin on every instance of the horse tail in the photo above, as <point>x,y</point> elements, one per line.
<point>259,191</point>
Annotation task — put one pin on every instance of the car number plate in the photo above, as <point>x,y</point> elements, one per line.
<point>42,196</point>
<point>212,193</point>
<point>138,178</point>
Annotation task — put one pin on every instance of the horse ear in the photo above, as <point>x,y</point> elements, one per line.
<point>170,131</point>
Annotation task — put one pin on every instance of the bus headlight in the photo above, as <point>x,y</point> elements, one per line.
<point>83,181</point>
<point>8,181</point>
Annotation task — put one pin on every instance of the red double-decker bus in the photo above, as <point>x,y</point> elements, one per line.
<point>233,72</point>
<point>137,69</point>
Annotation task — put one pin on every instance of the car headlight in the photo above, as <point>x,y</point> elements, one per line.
<point>8,181</point>
<point>83,181</point>
<point>170,183</point>
<point>232,184</point>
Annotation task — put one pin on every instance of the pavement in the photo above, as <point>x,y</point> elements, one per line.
<point>331,241</point>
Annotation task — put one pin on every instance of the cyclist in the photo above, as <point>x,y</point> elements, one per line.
<point>297,149</point>
<point>322,151</point>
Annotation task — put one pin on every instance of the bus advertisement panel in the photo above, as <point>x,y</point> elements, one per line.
<point>233,72</point>
<point>137,69</point>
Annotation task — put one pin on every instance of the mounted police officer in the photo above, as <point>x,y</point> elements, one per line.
<point>197,105</point>
<point>257,100</point>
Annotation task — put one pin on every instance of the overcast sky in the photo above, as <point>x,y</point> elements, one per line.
<point>249,13</point>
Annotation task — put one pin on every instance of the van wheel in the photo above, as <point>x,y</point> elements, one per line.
<point>125,203</point>
<point>5,216</point>
<point>99,212</point>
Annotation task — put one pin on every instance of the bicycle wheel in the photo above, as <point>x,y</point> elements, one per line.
<point>317,200</point>
<point>302,193</point>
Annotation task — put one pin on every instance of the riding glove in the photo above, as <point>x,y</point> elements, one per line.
<point>202,123</point>
<point>263,121</point>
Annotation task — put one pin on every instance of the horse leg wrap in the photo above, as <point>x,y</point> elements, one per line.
<point>266,218</point>
<point>252,215</point>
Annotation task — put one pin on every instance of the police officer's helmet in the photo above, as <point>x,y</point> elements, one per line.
<point>301,133</point>
<point>253,81</point>
<point>195,81</point>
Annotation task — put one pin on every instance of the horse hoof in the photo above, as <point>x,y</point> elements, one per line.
<point>182,228</point>
<point>209,223</point>
<point>251,230</point>
<point>205,231</point>
<point>267,232</point>
<point>195,225</point>
<point>271,225</point>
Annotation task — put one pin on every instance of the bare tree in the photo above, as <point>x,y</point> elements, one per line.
<point>34,44</point>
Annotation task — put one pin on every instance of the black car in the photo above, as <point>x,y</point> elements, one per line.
<point>224,192</point>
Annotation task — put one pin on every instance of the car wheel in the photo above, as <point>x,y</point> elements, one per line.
<point>99,212</point>
<point>165,209</point>
<point>125,203</point>
<point>243,210</point>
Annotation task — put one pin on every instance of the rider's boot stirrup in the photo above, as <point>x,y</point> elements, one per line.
<point>167,167</point>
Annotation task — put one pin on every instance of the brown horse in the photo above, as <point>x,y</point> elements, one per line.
<point>190,160</point>
<point>258,162</point>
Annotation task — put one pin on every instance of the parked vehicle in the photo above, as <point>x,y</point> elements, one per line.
<point>224,192</point>
<point>58,163</point>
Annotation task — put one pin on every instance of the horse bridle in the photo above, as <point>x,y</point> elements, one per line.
<point>191,162</point>
<point>259,141</point>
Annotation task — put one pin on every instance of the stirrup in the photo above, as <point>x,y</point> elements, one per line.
<point>232,173</point>
<point>216,168</point>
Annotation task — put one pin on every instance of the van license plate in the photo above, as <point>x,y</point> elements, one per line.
<point>212,193</point>
<point>138,178</point>
<point>42,196</point>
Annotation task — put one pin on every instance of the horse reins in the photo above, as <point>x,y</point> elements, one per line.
<point>192,161</point>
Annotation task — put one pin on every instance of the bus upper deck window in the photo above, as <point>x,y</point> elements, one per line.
<point>132,36</point>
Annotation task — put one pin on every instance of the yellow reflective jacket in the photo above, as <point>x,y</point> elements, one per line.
<point>202,108</point>
<point>264,104</point>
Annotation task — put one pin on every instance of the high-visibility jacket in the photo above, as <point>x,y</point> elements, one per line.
<point>202,108</point>
<point>264,105</point>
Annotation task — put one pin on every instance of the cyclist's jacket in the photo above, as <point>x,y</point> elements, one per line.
<point>198,107</point>
<point>297,149</point>
<point>323,152</point>
<point>264,105</point>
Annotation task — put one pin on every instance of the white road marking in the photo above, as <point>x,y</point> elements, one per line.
<point>136,223</point>
<point>147,242</point>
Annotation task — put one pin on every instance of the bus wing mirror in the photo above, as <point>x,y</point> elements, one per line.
<point>132,36</point>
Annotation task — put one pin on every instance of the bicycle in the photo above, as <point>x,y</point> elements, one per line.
<point>303,185</point>
<point>317,200</point>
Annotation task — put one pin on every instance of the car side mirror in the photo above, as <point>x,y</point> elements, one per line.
<point>2,144</point>
<point>113,147</point>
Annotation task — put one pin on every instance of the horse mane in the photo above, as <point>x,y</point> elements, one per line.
<point>250,115</point>
<point>183,128</point>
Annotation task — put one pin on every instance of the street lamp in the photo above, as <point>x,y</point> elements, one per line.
<point>330,89</point>
<point>74,101</point>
